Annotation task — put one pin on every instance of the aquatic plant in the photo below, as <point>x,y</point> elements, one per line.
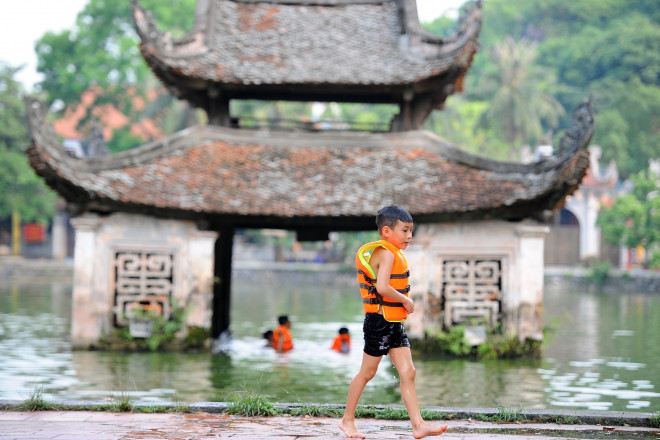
<point>497,345</point>
<point>599,272</point>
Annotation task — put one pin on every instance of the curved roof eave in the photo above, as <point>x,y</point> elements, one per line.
<point>185,60</point>
<point>212,173</point>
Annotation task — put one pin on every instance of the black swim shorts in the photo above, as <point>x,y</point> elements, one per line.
<point>381,335</point>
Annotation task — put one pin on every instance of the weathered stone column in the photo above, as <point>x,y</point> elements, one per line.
<point>200,299</point>
<point>85,329</point>
<point>59,236</point>
<point>530,275</point>
<point>482,272</point>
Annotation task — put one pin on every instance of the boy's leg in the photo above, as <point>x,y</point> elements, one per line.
<point>367,372</point>
<point>402,360</point>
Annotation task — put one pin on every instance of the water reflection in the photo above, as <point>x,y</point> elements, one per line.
<point>601,354</point>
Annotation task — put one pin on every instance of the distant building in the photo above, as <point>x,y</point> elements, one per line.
<point>574,237</point>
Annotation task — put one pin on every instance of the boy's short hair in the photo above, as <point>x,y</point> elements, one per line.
<point>283,319</point>
<point>389,215</point>
<point>343,331</point>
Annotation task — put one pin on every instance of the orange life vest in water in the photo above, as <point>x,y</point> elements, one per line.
<point>372,301</point>
<point>282,332</point>
<point>342,343</point>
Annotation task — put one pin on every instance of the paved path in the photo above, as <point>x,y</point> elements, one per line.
<point>94,425</point>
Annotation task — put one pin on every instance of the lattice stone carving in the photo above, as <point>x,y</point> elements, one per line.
<point>471,288</point>
<point>144,280</point>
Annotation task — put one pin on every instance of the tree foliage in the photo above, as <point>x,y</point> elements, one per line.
<point>22,192</point>
<point>102,53</point>
<point>634,219</point>
<point>103,48</point>
<point>519,107</point>
<point>607,49</point>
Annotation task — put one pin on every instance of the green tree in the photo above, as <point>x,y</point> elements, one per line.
<point>634,219</point>
<point>102,50</point>
<point>22,192</point>
<point>520,107</point>
<point>12,124</point>
<point>607,49</point>
<point>458,123</point>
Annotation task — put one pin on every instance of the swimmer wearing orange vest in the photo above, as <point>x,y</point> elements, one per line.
<point>282,340</point>
<point>342,342</point>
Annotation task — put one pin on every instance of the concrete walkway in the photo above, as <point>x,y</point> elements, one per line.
<point>94,425</point>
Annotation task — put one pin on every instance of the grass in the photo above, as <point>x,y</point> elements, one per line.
<point>35,401</point>
<point>654,420</point>
<point>315,410</point>
<point>251,405</point>
<point>504,415</point>
<point>566,420</point>
<point>124,403</point>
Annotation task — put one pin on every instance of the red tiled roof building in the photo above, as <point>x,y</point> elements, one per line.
<point>215,178</point>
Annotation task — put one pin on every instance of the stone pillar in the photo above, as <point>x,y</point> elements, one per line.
<point>222,281</point>
<point>85,328</point>
<point>200,299</point>
<point>480,271</point>
<point>59,236</point>
<point>530,274</point>
<point>585,206</point>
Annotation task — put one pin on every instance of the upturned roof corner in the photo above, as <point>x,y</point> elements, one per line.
<point>324,50</point>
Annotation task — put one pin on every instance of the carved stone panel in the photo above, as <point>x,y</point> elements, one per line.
<point>142,280</point>
<point>471,289</point>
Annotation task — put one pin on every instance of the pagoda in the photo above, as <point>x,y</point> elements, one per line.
<point>154,225</point>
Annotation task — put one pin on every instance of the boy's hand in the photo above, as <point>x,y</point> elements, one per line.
<point>409,304</point>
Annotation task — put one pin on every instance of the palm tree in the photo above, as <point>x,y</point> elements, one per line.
<point>519,106</point>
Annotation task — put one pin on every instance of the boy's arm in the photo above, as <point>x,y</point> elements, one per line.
<point>385,262</point>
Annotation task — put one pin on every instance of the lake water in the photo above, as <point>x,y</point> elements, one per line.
<point>601,353</point>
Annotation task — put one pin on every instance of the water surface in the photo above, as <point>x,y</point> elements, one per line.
<point>600,353</point>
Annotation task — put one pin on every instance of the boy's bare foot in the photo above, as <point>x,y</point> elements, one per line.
<point>427,430</point>
<point>351,431</point>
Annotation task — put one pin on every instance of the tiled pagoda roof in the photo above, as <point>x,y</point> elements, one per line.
<point>334,180</point>
<point>325,50</point>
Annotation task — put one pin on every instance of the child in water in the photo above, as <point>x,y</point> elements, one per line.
<point>282,340</point>
<point>342,342</point>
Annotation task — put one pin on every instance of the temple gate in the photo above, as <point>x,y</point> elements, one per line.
<point>154,225</point>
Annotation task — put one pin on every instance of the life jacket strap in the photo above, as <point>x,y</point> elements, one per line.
<point>391,304</point>
<point>367,278</point>
<point>369,287</point>
<point>394,276</point>
<point>382,301</point>
<point>399,276</point>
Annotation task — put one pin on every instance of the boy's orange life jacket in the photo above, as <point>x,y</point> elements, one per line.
<point>288,340</point>
<point>371,299</point>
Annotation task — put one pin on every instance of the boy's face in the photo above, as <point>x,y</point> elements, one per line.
<point>400,235</point>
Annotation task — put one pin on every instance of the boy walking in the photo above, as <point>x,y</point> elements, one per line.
<point>383,278</point>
